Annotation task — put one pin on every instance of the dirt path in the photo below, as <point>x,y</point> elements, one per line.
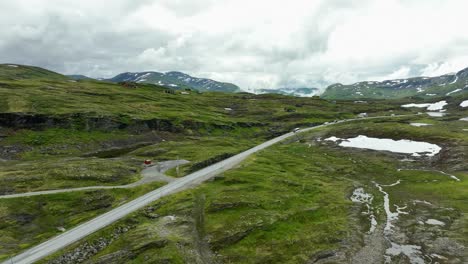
<point>150,174</point>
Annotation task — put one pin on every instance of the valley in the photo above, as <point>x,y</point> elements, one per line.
<point>233,132</point>
<point>313,197</point>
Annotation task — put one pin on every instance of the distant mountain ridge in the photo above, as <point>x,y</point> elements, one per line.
<point>299,92</point>
<point>425,87</point>
<point>78,77</point>
<point>175,80</point>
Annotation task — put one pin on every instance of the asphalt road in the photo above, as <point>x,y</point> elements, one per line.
<point>150,174</point>
<point>59,242</point>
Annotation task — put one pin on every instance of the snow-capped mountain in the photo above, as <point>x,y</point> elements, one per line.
<point>175,80</point>
<point>444,85</point>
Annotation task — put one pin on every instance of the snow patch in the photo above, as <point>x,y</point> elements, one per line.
<point>416,148</point>
<point>464,119</point>
<point>420,124</point>
<point>359,196</point>
<point>431,107</point>
<point>454,91</point>
<point>435,222</point>
<point>423,202</point>
<point>334,139</point>
<point>170,217</point>
<point>12,65</point>
<point>464,103</point>
<point>438,256</point>
<point>413,252</point>
<point>436,114</point>
<point>454,81</point>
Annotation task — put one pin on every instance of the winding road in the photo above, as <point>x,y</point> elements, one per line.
<point>61,241</point>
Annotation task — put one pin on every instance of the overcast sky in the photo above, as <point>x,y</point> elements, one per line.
<point>253,43</point>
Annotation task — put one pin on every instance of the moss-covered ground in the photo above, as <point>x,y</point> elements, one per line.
<point>287,204</point>
<point>290,203</point>
<point>27,221</point>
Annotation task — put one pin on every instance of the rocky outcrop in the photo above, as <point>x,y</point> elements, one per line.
<point>88,249</point>
<point>208,162</point>
<point>83,121</point>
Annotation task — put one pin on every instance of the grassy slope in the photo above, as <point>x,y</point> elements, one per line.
<point>273,202</point>
<point>289,203</point>
<point>54,157</point>
<point>60,96</point>
<point>29,221</point>
<point>52,95</point>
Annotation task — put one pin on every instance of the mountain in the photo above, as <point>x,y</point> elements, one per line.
<point>425,87</point>
<point>78,77</point>
<point>176,80</point>
<point>299,92</point>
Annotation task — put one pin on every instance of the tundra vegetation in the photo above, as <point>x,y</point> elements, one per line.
<point>287,204</point>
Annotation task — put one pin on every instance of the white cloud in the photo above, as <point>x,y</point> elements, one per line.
<point>403,72</point>
<point>451,66</point>
<point>253,43</point>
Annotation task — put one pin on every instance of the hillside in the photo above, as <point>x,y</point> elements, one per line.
<point>15,72</point>
<point>296,201</point>
<point>424,87</point>
<point>45,93</point>
<point>176,80</point>
<point>309,200</point>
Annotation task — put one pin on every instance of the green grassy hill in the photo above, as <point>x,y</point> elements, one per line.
<point>14,72</point>
<point>287,204</point>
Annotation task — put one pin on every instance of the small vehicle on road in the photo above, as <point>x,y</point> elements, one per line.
<point>295,130</point>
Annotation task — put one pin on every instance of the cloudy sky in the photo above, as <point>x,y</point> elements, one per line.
<point>253,43</point>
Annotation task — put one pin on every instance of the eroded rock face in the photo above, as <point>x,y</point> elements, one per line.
<point>22,120</point>
<point>109,123</point>
<point>12,151</point>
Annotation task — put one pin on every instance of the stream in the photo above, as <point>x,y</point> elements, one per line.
<point>413,252</point>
